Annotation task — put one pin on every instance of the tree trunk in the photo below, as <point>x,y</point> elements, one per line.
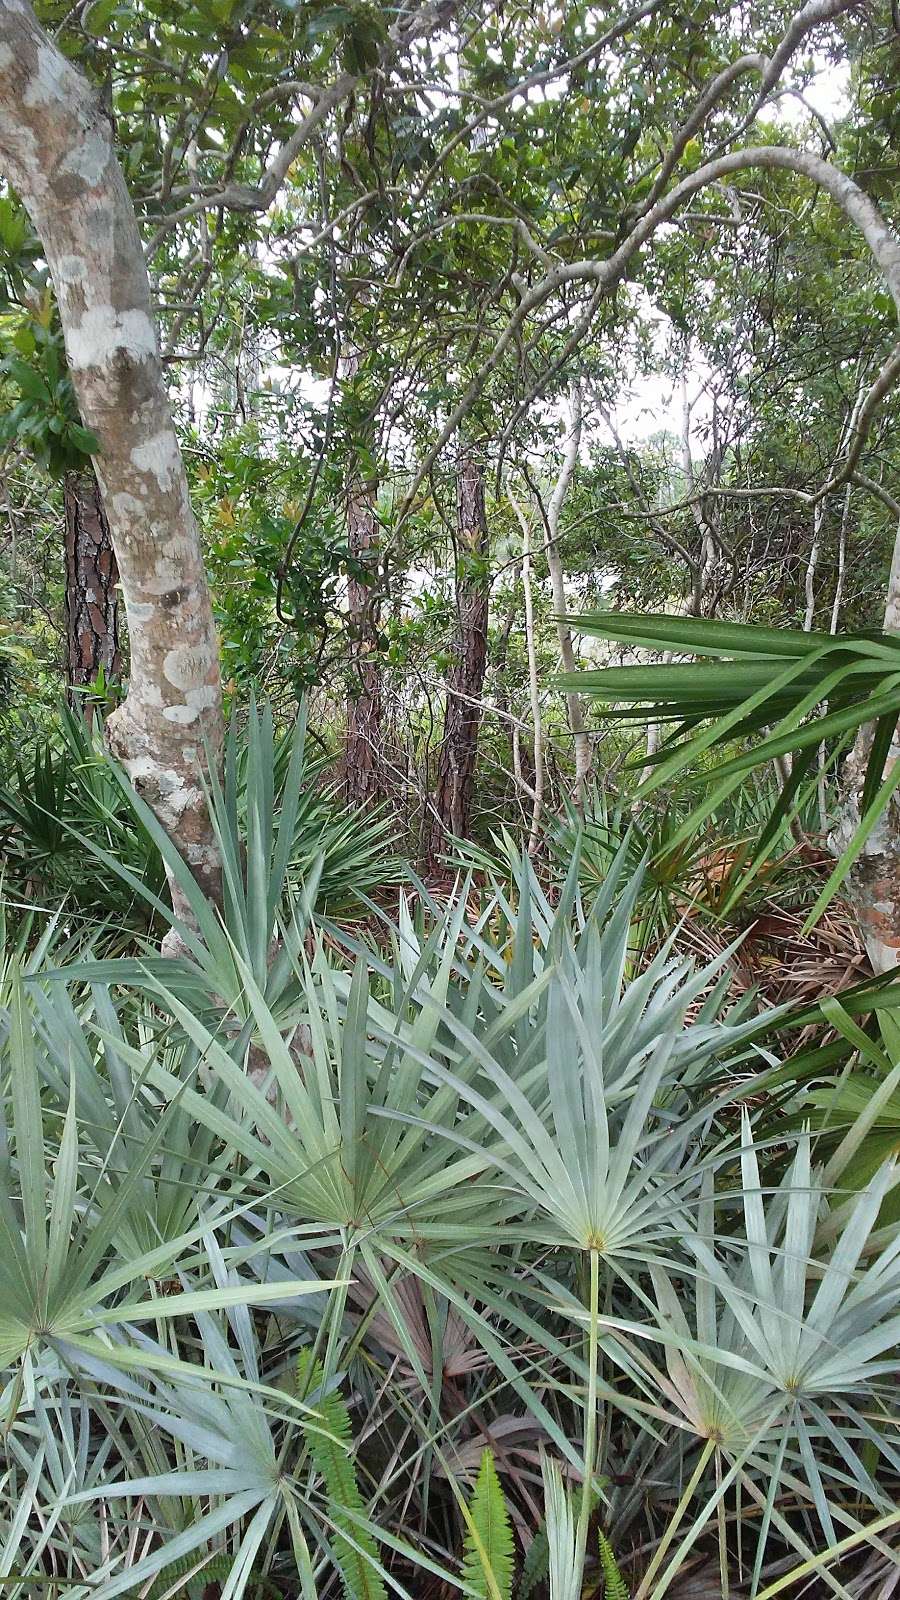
<point>574,704</point>
<point>654,732</point>
<point>534,692</point>
<point>363,755</point>
<point>363,760</point>
<point>815,551</point>
<point>534,696</point>
<point>56,149</point>
<point>874,879</point>
<point>92,611</point>
<point>465,680</point>
<point>832,629</point>
<point>842,562</point>
<point>707,557</point>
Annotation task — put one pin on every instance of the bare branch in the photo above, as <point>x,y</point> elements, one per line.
<point>807,18</point>
<point>861,421</point>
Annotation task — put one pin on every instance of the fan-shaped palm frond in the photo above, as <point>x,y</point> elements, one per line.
<point>777,692</point>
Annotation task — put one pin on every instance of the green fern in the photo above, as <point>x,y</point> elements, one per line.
<point>613,1582</point>
<point>216,1570</point>
<point>488,1549</point>
<point>535,1565</point>
<point>333,1462</point>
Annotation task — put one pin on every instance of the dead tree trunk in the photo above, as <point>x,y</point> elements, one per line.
<point>363,770</point>
<point>874,879</point>
<point>455,784</point>
<point>574,705</point>
<point>92,611</point>
<point>707,556</point>
<point>534,692</point>
<point>56,149</point>
<point>363,761</point>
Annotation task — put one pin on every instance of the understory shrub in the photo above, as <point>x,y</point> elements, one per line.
<point>459,1251</point>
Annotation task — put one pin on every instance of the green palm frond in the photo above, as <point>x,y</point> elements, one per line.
<point>287,849</point>
<point>773,691</point>
<point>488,1550</point>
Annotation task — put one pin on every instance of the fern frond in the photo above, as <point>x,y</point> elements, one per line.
<point>216,1570</point>
<point>535,1565</point>
<point>334,1463</point>
<point>613,1582</point>
<point>488,1550</point>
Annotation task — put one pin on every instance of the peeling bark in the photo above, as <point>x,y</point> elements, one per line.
<point>92,574</point>
<point>455,784</point>
<point>56,149</point>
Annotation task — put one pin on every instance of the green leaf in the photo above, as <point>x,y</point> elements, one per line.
<point>690,158</point>
<point>98,14</point>
<point>29,381</point>
<point>488,1550</point>
<point>83,439</point>
<point>329,21</point>
<point>29,1132</point>
<point>613,1583</point>
<point>534,1567</point>
<point>784,690</point>
<point>354,1548</point>
<point>196,1570</point>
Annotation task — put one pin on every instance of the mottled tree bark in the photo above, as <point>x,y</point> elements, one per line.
<point>56,149</point>
<point>455,785</point>
<point>92,610</point>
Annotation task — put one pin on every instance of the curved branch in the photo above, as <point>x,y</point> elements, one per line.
<point>861,421</point>
<point>878,491</point>
<point>846,194</point>
<point>605,274</point>
<point>770,68</point>
<point>259,197</point>
<point>710,97</point>
<point>807,18</point>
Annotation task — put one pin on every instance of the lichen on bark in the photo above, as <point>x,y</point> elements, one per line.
<point>56,148</point>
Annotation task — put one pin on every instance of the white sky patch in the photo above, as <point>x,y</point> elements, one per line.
<point>828,94</point>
